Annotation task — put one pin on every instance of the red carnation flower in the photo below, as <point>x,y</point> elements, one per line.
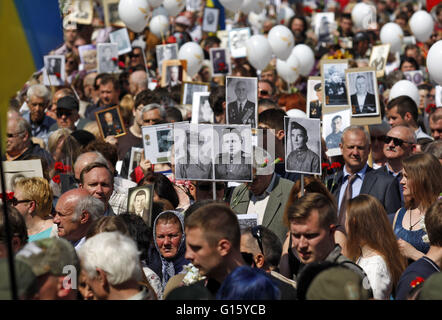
<point>430,108</point>
<point>59,166</point>
<point>171,39</point>
<point>114,59</point>
<point>9,195</point>
<point>121,64</point>
<point>325,165</point>
<point>416,281</point>
<point>336,165</point>
<point>58,75</point>
<point>56,179</point>
<point>66,168</point>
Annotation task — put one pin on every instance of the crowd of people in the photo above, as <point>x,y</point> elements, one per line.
<point>369,227</point>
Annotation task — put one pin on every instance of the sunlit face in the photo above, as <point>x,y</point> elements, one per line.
<point>394,118</point>
<point>98,183</point>
<point>406,185</point>
<point>231,143</point>
<point>299,139</point>
<point>168,238</point>
<point>108,94</point>
<point>66,227</point>
<point>407,66</point>
<point>355,150</point>
<point>37,108</point>
<point>392,151</point>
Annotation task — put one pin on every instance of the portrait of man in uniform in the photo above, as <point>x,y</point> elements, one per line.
<point>242,108</point>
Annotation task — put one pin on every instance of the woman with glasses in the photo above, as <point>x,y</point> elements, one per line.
<point>422,184</point>
<point>33,199</point>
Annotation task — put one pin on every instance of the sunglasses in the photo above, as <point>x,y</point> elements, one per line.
<point>15,202</point>
<point>397,142</point>
<point>378,138</point>
<point>256,233</point>
<point>14,135</point>
<point>62,112</point>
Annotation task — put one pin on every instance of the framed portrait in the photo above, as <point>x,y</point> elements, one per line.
<point>18,169</point>
<point>242,100</point>
<point>333,125</point>
<point>110,122</point>
<point>237,42</point>
<point>139,202</point>
<point>157,142</point>
<point>223,35</point>
<point>415,76</point>
<point>233,152</point>
<point>210,19</point>
<point>107,55</point>
<point>173,73</point>
<point>83,11</point>
<point>121,38</point>
<point>325,24</point>
<point>314,97</point>
<point>303,145</point>
<point>193,5</point>
<point>111,16</point>
<point>333,83</point>
<point>135,159</point>
<point>193,151</point>
<point>201,110</point>
<point>189,88</point>
<point>88,56</point>
<point>378,58</point>
<point>166,52</point>
<point>220,62</point>
<point>363,92</point>
<point>438,96</point>
<point>54,70</point>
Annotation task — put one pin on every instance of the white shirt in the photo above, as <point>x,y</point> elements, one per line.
<point>378,275</point>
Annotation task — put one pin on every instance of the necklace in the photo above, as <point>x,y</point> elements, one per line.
<point>411,226</point>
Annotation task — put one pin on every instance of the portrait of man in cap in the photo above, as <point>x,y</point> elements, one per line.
<point>316,105</point>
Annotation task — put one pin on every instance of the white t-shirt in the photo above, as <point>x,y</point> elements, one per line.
<point>378,275</point>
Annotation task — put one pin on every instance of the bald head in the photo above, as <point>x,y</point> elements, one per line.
<point>137,82</point>
<point>73,195</point>
<point>85,159</point>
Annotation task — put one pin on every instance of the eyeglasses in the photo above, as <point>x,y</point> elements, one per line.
<point>378,138</point>
<point>14,135</point>
<point>63,112</point>
<point>256,233</point>
<point>397,142</point>
<point>15,202</point>
<point>154,121</point>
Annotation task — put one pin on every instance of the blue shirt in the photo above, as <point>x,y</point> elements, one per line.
<point>355,187</point>
<point>40,130</point>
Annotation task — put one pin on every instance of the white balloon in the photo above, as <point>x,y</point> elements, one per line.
<point>134,14</point>
<point>159,25</point>
<point>422,25</point>
<point>306,58</point>
<point>391,33</point>
<point>362,15</point>
<point>256,6</point>
<point>285,13</point>
<point>257,20</point>
<point>155,3</point>
<point>434,65</point>
<point>174,7</point>
<point>405,88</point>
<point>289,69</point>
<point>193,53</point>
<point>259,51</point>
<point>232,5</point>
<point>296,113</point>
<point>282,41</point>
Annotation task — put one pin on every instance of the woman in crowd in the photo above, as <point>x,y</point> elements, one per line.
<point>372,244</point>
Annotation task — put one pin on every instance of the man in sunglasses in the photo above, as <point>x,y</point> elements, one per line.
<point>400,142</point>
<point>67,113</point>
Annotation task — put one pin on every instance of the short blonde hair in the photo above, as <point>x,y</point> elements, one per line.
<point>39,190</point>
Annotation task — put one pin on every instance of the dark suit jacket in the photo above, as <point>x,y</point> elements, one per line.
<point>379,184</point>
<point>273,215</point>
<point>369,104</point>
<point>246,116</point>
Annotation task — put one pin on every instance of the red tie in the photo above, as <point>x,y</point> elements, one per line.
<point>345,199</point>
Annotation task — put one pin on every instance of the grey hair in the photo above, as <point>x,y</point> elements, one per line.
<point>40,91</point>
<point>94,206</point>
<point>153,106</point>
<point>99,159</point>
<point>354,128</point>
<point>23,125</point>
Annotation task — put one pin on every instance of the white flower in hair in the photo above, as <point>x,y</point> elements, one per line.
<point>192,274</point>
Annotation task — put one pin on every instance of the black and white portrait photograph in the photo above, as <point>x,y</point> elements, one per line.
<point>201,110</point>
<point>135,159</point>
<point>303,145</point>
<point>324,26</point>
<point>193,5</point>
<point>237,42</point>
<point>166,52</point>
<point>111,16</point>
<point>193,151</point>
<point>88,56</point>
<point>241,100</point>
<point>139,201</point>
<point>210,19</point>
<point>189,88</point>
<point>107,54</point>
<point>110,122</point>
<point>333,125</point>
<point>233,152</point>
<point>83,11</point>
<point>220,62</point>
<point>335,88</point>
<point>173,73</point>
<point>314,97</point>
<point>362,92</point>
<point>157,142</point>
<point>121,38</point>
<point>378,58</point>
<point>54,74</point>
